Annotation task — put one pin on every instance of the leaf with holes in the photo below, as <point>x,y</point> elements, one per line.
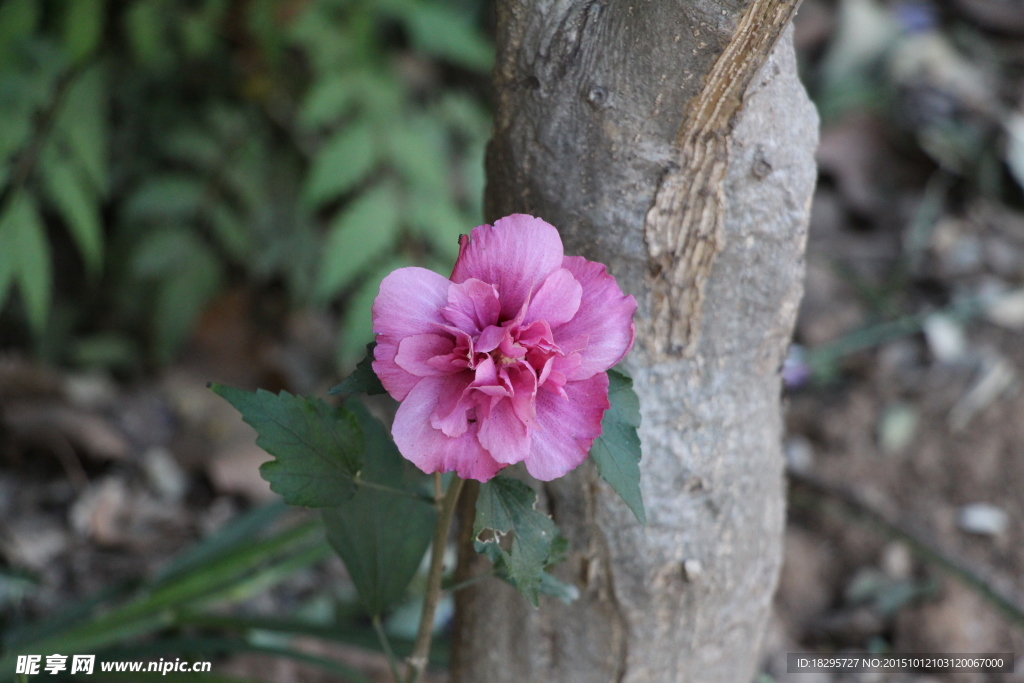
<point>507,506</point>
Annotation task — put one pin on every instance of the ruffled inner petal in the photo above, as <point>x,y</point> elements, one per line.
<point>557,299</point>
<point>425,355</point>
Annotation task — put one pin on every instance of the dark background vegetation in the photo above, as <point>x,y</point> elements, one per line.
<point>212,190</point>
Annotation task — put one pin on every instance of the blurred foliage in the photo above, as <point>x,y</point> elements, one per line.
<point>154,152</point>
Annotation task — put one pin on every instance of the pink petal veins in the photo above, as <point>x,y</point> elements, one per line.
<point>567,427</point>
<point>605,316</point>
<point>472,305</point>
<point>416,353</point>
<point>557,299</point>
<point>408,303</point>
<point>429,448</point>
<point>514,255</point>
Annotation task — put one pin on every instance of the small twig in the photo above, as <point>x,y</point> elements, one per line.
<point>386,646</point>
<point>860,510</point>
<point>421,648</point>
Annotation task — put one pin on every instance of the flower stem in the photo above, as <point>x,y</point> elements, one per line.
<point>359,481</point>
<point>421,648</point>
<point>386,646</point>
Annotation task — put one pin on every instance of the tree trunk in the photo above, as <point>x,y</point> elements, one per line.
<point>672,141</point>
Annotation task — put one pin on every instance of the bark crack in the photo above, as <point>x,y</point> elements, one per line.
<point>683,228</point>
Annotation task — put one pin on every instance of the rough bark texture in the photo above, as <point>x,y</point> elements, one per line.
<point>597,104</point>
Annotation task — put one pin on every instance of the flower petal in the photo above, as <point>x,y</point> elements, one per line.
<point>503,434</point>
<point>416,352</point>
<point>514,255</point>
<point>604,319</point>
<point>451,415</point>
<point>567,427</point>
<point>409,303</point>
<point>472,305</point>
<point>556,301</point>
<point>428,448</point>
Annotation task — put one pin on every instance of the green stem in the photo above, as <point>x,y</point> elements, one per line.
<point>470,581</point>
<point>386,646</point>
<point>389,489</point>
<point>421,649</point>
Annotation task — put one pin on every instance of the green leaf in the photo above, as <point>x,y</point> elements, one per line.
<point>363,231</point>
<point>331,97</point>
<point>381,536</point>
<point>146,26</point>
<point>18,19</point>
<point>166,197</point>
<point>344,161</point>
<point>83,27</point>
<point>77,205</point>
<point>182,297</point>
<point>617,451</point>
<point>25,258</point>
<point>363,379</point>
<point>437,218</point>
<point>418,151</point>
<point>318,449</point>
<point>566,592</point>
<point>445,32</point>
<point>231,231</point>
<point>507,506</point>
<point>193,146</point>
<point>82,125</point>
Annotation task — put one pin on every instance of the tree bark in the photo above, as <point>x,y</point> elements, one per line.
<point>673,142</point>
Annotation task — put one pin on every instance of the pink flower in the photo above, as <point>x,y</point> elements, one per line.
<point>506,361</point>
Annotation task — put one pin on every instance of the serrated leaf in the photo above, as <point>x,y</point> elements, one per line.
<point>444,32</point>
<point>318,449</point>
<point>26,257</point>
<point>363,231</point>
<point>343,162</point>
<point>362,380</point>
<point>357,322</point>
<point>380,536</point>
<point>617,451</point>
<point>165,198</point>
<point>78,207</point>
<point>506,506</point>
<point>83,27</point>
